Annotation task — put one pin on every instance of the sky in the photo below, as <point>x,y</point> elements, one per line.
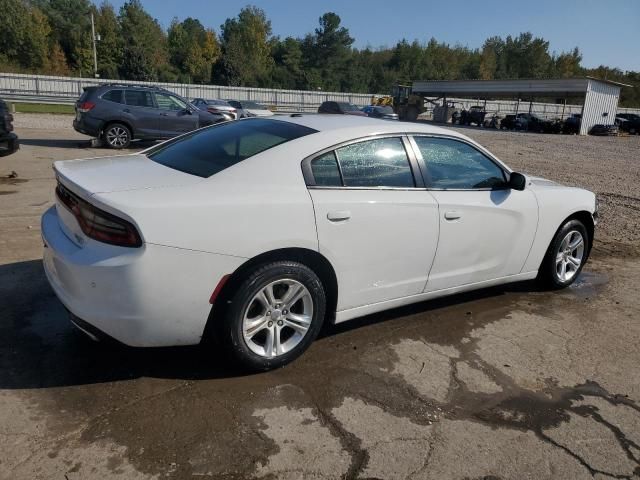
<point>605,31</point>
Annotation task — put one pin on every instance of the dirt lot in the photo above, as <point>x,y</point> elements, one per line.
<point>505,383</point>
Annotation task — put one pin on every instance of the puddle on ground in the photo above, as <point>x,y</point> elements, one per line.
<point>589,283</point>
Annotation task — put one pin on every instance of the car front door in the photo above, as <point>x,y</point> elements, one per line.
<point>486,228</point>
<point>174,116</point>
<point>141,113</point>
<point>376,223</point>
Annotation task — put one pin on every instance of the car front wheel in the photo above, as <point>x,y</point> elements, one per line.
<point>566,255</point>
<point>274,315</point>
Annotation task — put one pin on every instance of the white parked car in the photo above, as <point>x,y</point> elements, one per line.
<point>247,108</point>
<point>258,231</point>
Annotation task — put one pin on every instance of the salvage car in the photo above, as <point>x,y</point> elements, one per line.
<point>256,232</point>
<point>8,140</point>
<point>247,108</point>
<point>221,107</point>
<point>630,122</point>
<point>340,108</point>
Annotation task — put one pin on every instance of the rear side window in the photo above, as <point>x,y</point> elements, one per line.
<point>138,98</point>
<point>113,96</point>
<point>209,151</point>
<point>382,162</point>
<point>455,165</point>
<point>325,170</point>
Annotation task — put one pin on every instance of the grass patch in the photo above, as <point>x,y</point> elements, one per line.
<point>42,108</point>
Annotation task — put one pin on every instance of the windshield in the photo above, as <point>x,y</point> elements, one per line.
<point>348,107</point>
<point>208,151</point>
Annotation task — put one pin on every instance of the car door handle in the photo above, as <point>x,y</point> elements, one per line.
<point>164,114</point>
<point>339,215</point>
<point>452,215</point>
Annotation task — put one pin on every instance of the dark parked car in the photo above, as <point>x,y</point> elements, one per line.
<point>221,107</point>
<point>385,113</point>
<point>631,123</point>
<point>8,139</point>
<point>475,115</point>
<point>604,130</point>
<point>120,113</point>
<point>343,108</point>
<point>510,122</point>
<point>572,124</point>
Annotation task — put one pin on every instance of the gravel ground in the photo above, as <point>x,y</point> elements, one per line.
<point>505,383</point>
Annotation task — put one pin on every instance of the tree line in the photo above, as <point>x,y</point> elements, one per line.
<point>54,37</point>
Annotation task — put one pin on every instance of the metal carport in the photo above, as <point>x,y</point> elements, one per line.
<point>600,96</point>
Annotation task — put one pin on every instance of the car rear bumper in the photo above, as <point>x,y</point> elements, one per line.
<point>8,144</point>
<point>88,126</point>
<point>148,296</point>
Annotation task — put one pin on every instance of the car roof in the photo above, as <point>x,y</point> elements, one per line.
<point>352,126</point>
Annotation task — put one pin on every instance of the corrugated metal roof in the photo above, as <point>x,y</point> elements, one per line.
<point>522,87</point>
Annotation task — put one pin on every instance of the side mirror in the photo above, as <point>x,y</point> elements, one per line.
<point>517,181</point>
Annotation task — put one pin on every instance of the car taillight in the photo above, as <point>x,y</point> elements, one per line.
<point>98,224</point>
<point>8,125</point>
<point>84,107</point>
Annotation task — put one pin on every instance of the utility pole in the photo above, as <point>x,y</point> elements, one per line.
<point>95,53</point>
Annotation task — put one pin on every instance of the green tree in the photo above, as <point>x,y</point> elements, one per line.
<point>109,48</point>
<point>71,29</point>
<point>193,49</point>
<point>145,44</point>
<point>246,47</point>
<point>24,35</point>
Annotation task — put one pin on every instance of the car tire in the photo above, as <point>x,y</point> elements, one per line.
<point>566,255</point>
<point>116,136</point>
<point>280,324</point>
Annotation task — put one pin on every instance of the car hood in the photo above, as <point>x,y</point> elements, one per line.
<point>543,182</point>
<point>119,173</point>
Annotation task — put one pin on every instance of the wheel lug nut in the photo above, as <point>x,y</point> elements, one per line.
<point>284,312</point>
<point>279,323</point>
<point>270,324</point>
<point>268,312</point>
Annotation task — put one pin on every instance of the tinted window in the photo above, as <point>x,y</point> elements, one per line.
<point>375,163</point>
<point>453,164</point>
<point>113,96</point>
<point>138,98</point>
<point>348,107</point>
<point>234,103</point>
<point>325,170</point>
<point>169,102</point>
<point>209,151</point>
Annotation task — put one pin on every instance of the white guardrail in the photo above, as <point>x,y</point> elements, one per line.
<point>66,90</point>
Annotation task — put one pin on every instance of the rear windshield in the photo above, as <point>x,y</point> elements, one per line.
<point>208,151</point>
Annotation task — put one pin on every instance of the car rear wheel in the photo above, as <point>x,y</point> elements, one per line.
<point>274,315</point>
<point>566,255</point>
<point>117,136</point>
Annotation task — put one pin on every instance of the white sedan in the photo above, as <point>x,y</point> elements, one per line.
<point>258,231</point>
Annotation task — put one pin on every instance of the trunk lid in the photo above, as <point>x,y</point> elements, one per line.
<point>119,173</point>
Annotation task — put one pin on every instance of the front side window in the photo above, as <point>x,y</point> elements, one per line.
<point>382,162</point>
<point>208,151</point>
<point>138,98</point>
<point>169,102</point>
<point>451,164</point>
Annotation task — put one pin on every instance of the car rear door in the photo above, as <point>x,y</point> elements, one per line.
<point>140,112</point>
<point>486,229</point>
<point>174,117</point>
<point>377,224</point>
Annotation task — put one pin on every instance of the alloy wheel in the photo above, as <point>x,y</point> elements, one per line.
<point>277,318</point>
<point>117,137</point>
<point>569,256</point>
